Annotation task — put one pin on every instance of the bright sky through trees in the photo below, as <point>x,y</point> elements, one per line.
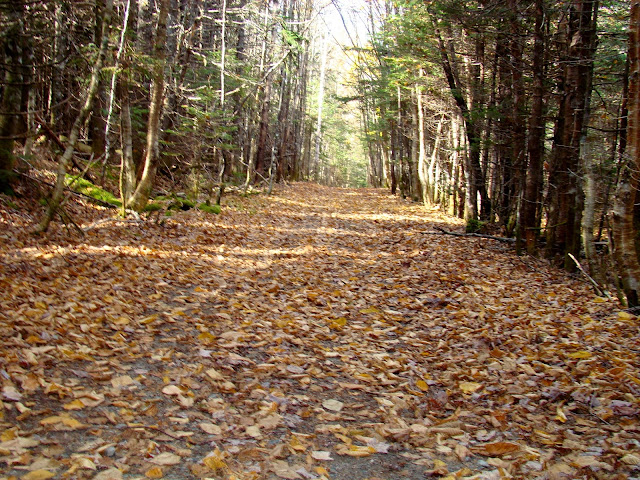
<point>346,21</point>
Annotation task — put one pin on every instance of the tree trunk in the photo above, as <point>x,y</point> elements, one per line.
<point>11,93</point>
<point>422,154</point>
<point>127,167</point>
<point>65,160</point>
<point>475,175</point>
<point>565,192</point>
<point>323,68</point>
<point>97,123</point>
<point>140,197</point>
<point>624,231</point>
<point>530,205</point>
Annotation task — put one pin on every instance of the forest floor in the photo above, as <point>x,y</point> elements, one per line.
<point>314,334</point>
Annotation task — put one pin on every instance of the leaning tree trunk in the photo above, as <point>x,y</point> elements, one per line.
<point>624,233</point>
<point>65,160</point>
<point>140,197</point>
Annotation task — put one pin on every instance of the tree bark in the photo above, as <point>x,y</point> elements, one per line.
<point>141,195</point>
<point>475,184</point>
<point>624,231</point>
<point>565,193</point>
<point>530,205</point>
<point>11,93</point>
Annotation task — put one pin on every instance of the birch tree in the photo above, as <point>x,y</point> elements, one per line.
<point>140,196</point>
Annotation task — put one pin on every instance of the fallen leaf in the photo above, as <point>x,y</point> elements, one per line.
<point>166,458</point>
<point>38,475</point>
<point>172,390</point>
<point>10,393</point>
<point>283,470</point>
<point>154,472</point>
<point>321,455</point>
<point>214,374</point>
<point>122,381</point>
<point>215,460</point>
<point>497,448</point>
<point>66,420</point>
<point>210,428</point>
<point>631,459</point>
<point>254,431</point>
<point>590,461</point>
<point>422,385</point>
<point>333,405</point>
<point>109,474</point>
<point>470,387</point>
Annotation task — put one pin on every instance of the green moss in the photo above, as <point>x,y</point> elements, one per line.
<point>85,187</point>
<point>209,208</point>
<point>152,207</point>
<point>474,226</point>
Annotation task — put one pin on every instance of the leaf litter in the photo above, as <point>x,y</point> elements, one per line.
<point>313,334</point>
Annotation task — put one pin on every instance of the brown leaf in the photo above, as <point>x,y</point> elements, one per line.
<point>166,458</point>
<point>497,448</point>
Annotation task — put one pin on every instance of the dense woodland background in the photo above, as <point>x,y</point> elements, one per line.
<point>520,115</point>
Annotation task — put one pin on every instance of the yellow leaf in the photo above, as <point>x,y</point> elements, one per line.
<point>296,445</point>
<point>122,320</point>
<point>63,419</point>
<point>38,475</point>
<point>356,451</point>
<point>422,385</point>
<point>439,468</point>
<point>154,472</point>
<point>370,310</point>
<point>206,337</point>
<point>10,434</point>
<point>215,460</point>
<point>470,387</point>
<point>582,354</point>
<point>321,471</point>
<point>626,316</point>
<point>560,415</point>
<point>84,462</point>
<point>72,423</point>
<point>149,319</point>
<point>76,404</point>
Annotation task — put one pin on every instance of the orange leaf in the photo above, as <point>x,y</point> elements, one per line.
<point>498,448</point>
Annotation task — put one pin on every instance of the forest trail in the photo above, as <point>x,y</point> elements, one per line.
<point>316,333</point>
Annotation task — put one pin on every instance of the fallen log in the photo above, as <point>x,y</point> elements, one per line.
<point>442,231</point>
